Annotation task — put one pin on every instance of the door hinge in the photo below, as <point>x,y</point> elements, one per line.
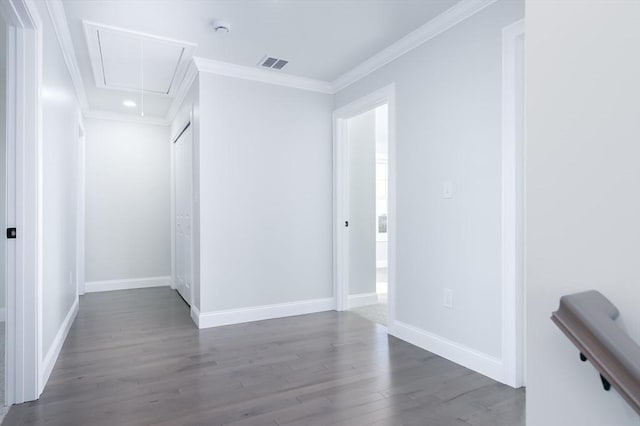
<point>11,233</point>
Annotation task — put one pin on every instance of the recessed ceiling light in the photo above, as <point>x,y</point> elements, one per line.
<point>129,104</point>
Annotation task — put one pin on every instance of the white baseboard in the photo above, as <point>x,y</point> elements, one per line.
<point>51,357</point>
<point>259,313</point>
<point>95,286</point>
<point>467,357</point>
<point>195,315</point>
<point>362,299</point>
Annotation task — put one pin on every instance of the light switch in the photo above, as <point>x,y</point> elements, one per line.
<point>447,189</point>
<point>447,298</point>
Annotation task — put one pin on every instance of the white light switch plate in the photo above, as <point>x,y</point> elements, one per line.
<point>447,299</point>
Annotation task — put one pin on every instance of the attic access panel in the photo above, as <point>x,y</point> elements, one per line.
<point>119,57</point>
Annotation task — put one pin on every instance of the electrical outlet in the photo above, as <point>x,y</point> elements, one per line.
<point>447,189</point>
<point>447,299</point>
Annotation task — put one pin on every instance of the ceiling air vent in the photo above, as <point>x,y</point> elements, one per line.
<point>274,63</point>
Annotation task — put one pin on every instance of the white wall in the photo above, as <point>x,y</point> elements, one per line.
<point>361,138</point>
<point>448,94</point>
<point>582,194</point>
<point>266,194</point>
<point>127,200</point>
<point>60,129</point>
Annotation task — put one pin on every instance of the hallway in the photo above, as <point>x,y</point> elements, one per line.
<point>135,358</point>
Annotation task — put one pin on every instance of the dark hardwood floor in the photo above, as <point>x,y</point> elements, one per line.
<point>135,358</point>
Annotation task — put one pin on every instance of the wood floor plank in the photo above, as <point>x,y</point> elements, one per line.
<point>134,358</point>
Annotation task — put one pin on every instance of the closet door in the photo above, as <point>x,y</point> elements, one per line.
<point>183,210</point>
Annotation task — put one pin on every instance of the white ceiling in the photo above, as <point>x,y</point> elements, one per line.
<point>321,39</point>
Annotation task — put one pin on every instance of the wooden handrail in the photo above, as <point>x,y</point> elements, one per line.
<point>588,320</point>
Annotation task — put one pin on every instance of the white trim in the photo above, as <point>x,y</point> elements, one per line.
<point>24,206</point>
<point>475,360</point>
<point>56,346</point>
<point>80,208</point>
<point>61,27</point>
<point>259,313</point>
<point>129,118</point>
<point>262,75</point>
<point>385,95</point>
<point>512,296</point>
<point>441,23</point>
<point>128,284</point>
<point>172,211</point>
<point>96,60</point>
<point>362,299</point>
<point>181,93</point>
<point>195,315</point>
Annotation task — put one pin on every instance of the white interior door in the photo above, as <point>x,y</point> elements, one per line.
<point>361,233</point>
<point>183,211</point>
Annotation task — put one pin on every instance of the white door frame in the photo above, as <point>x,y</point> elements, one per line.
<point>81,209</point>
<point>172,218</point>
<point>513,294</point>
<point>24,192</point>
<point>385,95</point>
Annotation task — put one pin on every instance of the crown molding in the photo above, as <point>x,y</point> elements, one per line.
<point>183,89</point>
<point>263,76</point>
<point>130,118</point>
<point>441,23</point>
<point>61,28</point>
<point>449,18</point>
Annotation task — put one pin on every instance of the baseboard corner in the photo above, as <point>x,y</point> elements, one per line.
<point>470,358</point>
<point>195,315</point>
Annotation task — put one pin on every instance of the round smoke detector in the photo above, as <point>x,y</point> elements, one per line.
<point>221,27</point>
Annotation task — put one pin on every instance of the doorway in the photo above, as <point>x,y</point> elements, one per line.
<point>367,138</point>
<point>382,205</point>
<point>364,206</point>
<point>183,194</point>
